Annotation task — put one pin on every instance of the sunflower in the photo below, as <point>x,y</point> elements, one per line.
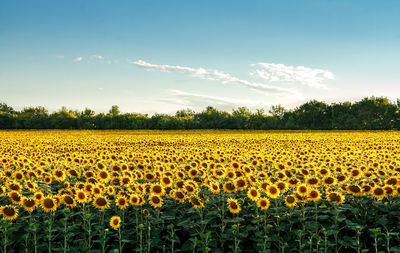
<point>157,189</point>
<point>18,176</point>
<point>121,202</point>
<point>312,181</point>
<point>103,175</point>
<point>328,180</point>
<point>314,195</point>
<point>47,180</point>
<point>101,202</point>
<point>68,200</point>
<point>193,172</point>
<point>290,201</point>
<point>335,197</point>
<point>189,188</point>
<point>230,174</point>
<point>263,186</point>
<point>38,196</point>
<point>389,191</point>
<point>81,196</point>
<point>354,189</point>
<point>378,192</point>
<point>241,183</point>
<point>229,187</point>
<point>115,222</point>
<point>146,212</point>
<point>214,187</point>
<point>179,195</point>
<point>166,181</point>
<point>233,206</point>
<point>15,197</point>
<point>29,204</point>
<point>134,199</point>
<point>59,175</point>
<point>14,186</point>
<point>155,200</point>
<point>356,173</point>
<point>196,202</point>
<point>282,186</point>
<point>253,194</point>
<point>9,212</point>
<point>263,203</point>
<point>49,204</point>
<point>273,191</point>
<point>149,176</point>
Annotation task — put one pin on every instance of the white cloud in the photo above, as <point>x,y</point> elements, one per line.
<point>217,75</point>
<point>78,59</point>
<point>273,72</point>
<point>183,98</point>
<point>98,57</point>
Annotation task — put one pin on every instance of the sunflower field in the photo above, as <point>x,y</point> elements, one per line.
<point>199,191</point>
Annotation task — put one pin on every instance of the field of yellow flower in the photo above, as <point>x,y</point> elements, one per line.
<point>199,191</point>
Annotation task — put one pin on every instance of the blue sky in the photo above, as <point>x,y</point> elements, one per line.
<point>161,56</point>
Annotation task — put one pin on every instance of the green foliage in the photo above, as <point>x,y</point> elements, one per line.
<point>374,113</point>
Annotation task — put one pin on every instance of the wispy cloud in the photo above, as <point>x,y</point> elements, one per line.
<point>272,72</point>
<point>78,59</point>
<point>183,98</point>
<point>60,56</point>
<point>216,75</point>
<point>98,57</point>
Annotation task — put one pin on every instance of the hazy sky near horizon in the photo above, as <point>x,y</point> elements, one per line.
<point>161,56</point>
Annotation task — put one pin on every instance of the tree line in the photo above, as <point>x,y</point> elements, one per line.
<point>371,113</point>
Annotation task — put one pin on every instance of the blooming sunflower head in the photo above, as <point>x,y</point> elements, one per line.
<point>115,222</point>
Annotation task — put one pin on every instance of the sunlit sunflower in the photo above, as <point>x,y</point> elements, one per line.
<point>103,175</point>
<point>68,200</point>
<point>59,175</point>
<point>354,189</point>
<point>241,183</point>
<point>134,200</point>
<point>253,194</point>
<point>18,176</point>
<point>157,189</point>
<point>29,204</point>
<point>81,196</point>
<point>179,195</point>
<point>282,186</point>
<point>155,201</point>
<point>263,203</point>
<point>38,196</point>
<point>101,202</point>
<point>312,181</point>
<point>378,192</point>
<point>166,181</point>
<point>335,197</point>
<point>272,191</point>
<point>48,204</point>
<point>229,187</point>
<point>314,195</point>
<point>115,222</point>
<point>214,187</point>
<point>47,180</point>
<point>15,197</point>
<point>290,201</point>
<point>9,212</point>
<point>121,202</point>
<point>196,202</point>
<point>233,206</point>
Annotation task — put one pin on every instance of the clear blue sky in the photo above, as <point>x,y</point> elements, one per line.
<point>160,56</point>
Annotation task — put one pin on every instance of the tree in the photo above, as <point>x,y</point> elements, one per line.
<point>114,111</point>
